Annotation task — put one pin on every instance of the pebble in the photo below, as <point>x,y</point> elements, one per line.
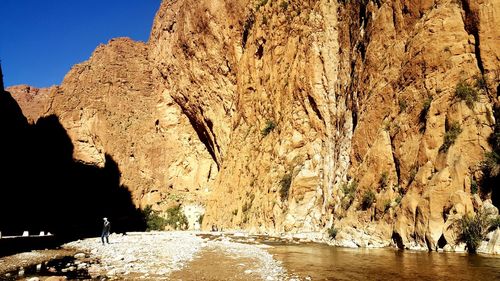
<point>80,256</point>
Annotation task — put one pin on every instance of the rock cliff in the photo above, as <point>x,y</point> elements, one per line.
<point>370,117</point>
<point>33,101</point>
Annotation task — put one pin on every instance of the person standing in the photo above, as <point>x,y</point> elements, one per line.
<point>105,230</point>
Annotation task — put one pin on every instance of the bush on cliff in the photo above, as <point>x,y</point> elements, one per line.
<point>425,109</point>
<point>332,232</point>
<point>349,191</point>
<point>285,184</point>
<point>466,92</point>
<point>270,125</point>
<point>153,219</point>
<point>451,135</point>
<point>176,218</point>
<point>368,199</point>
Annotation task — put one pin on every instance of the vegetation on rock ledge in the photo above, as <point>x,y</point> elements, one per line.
<point>452,132</point>
<point>466,92</point>
<point>285,184</point>
<point>368,199</point>
<point>270,125</point>
<point>332,232</point>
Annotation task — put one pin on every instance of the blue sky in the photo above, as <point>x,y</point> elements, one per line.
<point>41,39</point>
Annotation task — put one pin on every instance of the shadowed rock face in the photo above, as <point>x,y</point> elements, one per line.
<point>44,189</point>
<point>109,105</point>
<point>284,116</point>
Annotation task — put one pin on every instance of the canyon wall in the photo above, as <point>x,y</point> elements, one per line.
<point>110,106</point>
<point>299,116</point>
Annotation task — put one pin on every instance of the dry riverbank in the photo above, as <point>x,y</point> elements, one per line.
<point>179,256</point>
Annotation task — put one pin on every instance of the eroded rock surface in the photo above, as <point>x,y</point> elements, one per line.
<point>296,116</point>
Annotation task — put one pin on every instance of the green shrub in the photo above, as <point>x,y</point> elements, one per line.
<point>450,136</point>
<point>425,109</point>
<point>200,219</point>
<point>473,187</point>
<point>368,199</point>
<point>465,92</point>
<point>384,179</point>
<point>176,218</point>
<point>403,105</point>
<point>284,5</point>
<point>398,199</point>
<point>332,232</point>
<point>260,3</point>
<point>270,125</point>
<point>349,190</point>
<point>285,184</point>
<point>473,230</point>
<point>153,220</point>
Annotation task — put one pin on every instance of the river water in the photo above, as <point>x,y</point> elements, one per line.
<point>323,262</point>
<point>246,258</point>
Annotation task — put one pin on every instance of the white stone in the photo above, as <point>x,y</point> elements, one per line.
<point>81,266</point>
<point>80,256</point>
<point>297,140</point>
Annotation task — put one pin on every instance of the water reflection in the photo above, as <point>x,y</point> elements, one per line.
<point>322,262</point>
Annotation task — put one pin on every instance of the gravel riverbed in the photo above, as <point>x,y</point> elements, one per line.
<point>156,255</point>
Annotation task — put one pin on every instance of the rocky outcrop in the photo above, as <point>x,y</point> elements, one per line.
<point>110,105</point>
<point>299,116</point>
<point>33,101</point>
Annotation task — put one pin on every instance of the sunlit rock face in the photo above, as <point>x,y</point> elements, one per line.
<point>293,116</point>
<point>323,95</point>
<point>33,101</point>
